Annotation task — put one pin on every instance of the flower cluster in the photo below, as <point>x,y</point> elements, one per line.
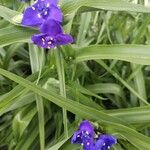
<point>85,136</point>
<point>46,15</point>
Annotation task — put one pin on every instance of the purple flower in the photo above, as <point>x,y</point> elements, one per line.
<point>41,11</point>
<point>84,135</point>
<point>51,35</point>
<point>88,143</point>
<point>87,127</point>
<point>105,142</point>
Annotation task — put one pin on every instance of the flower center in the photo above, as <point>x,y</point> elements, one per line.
<point>49,41</point>
<point>42,9</point>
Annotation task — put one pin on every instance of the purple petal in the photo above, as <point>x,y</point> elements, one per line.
<point>99,144</point>
<point>51,27</point>
<point>48,10</point>
<point>85,133</point>
<point>88,144</point>
<point>64,39</point>
<point>44,41</point>
<point>85,126</point>
<point>55,13</point>
<point>82,138</point>
<point>54,2</point>
<point>77,138</point>
<point>31,17</point>
<point>41,11</point>
<point>105,142</point>
<point>109,139</point>
<point>42,8</point>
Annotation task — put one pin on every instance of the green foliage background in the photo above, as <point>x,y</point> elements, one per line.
<point>104,76</point>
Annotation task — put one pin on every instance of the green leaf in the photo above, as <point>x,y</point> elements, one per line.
<point>139,54</point>
<point>132,115</point>
<point>106,88</point>
<point>84,25</point>
<point>8,14</point>
<point>83,111</point>
<point>22,120</point>
<point>37,60</point>
<point>59,100</point>
<point>10,99</point>
<point>116,5</point>
<point>61,75</point>
<point>14,34</point>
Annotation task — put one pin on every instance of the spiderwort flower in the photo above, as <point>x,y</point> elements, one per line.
<point>47,17</point>
<point>84,135</point>
<point>51,35</point>
<point>41,11</point>
<point>105,142</point>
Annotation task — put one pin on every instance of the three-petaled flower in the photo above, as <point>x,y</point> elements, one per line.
<point>46,15</point>
<point>41,11</point>
<point>51,35</point>
<point>85,136</point>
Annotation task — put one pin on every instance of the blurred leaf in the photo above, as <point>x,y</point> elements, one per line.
<point>116,5</point>
<point>132,115</point>
<point>8,14</point>
<point>138,54</point>
<point>22,120</point>
<point>106,88</point>
<point>117,125</point>
<point>14,34</point>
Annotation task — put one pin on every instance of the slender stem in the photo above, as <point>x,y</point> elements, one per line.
<point>40,109</point>
<point>61,75</point>
<point>37,66</point>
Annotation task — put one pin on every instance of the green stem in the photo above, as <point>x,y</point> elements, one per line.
<point>36,65</point>
<point>61,75</point>
<point>40,109</point>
